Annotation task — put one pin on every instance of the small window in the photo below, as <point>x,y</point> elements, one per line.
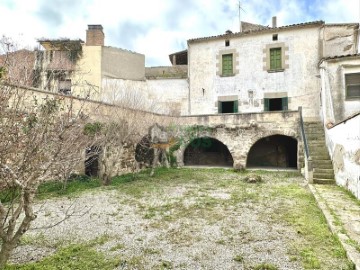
<point>352,82</point>
<point>275,37</point>
<point>227,64</point>
<point>275,104</point>
<point>228,106</point>
<point>275,59</point>
<point>227,43</point>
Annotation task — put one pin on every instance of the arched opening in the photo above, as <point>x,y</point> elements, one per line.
<point>276,151</point>
<point>144,153</point>
<point>92,166</point>
<point>207,152</point>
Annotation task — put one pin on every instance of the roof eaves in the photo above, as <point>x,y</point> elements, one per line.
<point>264,30</point>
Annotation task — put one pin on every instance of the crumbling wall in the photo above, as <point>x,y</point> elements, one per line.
<point>339,39</point>
<point>343,142</point>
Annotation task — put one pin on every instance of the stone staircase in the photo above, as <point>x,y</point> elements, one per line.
<point>322,164</point>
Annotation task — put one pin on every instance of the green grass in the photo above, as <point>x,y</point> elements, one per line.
<point>80,256</point>
<point>315,247</point>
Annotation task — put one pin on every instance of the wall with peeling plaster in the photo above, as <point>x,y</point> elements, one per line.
<point>343,142</point>
<point>335,106</point>
<point>251,82</point>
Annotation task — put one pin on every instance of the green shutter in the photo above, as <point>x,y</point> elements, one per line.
<point>219,107</point>
<point>275,58</point>
<point>227,64</point>
<point>266,104</point>
<point>284,103</point>
<point>236,104</point>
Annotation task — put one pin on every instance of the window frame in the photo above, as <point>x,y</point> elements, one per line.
<point>348,84</point>
<point>235,62</point>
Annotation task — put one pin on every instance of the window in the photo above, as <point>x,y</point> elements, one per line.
<point>227,64</point>
<point>275,37</point>
<point>275,104</point>
<point>275,58</point>
<point>228,106</point>
<point>65,87</point>
<point>352,85</point>
<point>227,43</point>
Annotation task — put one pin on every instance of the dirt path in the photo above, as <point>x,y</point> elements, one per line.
<point>200,220</point>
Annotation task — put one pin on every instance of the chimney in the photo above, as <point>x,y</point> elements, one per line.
<point>274,22</point>
<point>95,35</point>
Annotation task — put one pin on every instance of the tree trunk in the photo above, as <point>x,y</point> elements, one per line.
<point>6,249</point>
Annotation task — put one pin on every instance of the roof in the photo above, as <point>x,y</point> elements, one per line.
<point>181,57</point>
<point>61,44</point>
<point>258,31</point>
<point>341,56</point>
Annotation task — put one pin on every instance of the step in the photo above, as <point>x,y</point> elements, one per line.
<point>324,181</point>
<point>323,166</point>
<point>324,175</point>
<point>316,156</point>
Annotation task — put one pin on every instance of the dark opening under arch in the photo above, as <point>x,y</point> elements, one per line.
<point>277,151</point>
<point>92,166</point>
<point>207,152</point>
<point>144,153</point>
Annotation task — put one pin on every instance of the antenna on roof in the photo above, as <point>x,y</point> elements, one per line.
<point>240,8</point>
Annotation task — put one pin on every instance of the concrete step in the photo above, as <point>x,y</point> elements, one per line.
<point>329,175</point>
<point>324,181</point>
<point>322,164</point>
<point>319,156</point>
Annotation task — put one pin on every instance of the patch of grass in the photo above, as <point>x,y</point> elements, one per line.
<point>117,247</point>
<point>58,189</point>
<point>72,257</point>
<point>265,266</point>
<point>353,243</point>
<point>238,258</point>
<point>309,222</point>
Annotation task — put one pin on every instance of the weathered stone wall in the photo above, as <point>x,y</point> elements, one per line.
<point>179,71</point>
<point>339,39</point>
<point>239,132</point>
<point>166,96</point>
<point>251,82</point>
<point>343,142</point>
<point>122,64</point>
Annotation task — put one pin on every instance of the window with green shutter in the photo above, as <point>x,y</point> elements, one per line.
<point>228,106</point>
<point>275,58</point>
<point>352,82</point>
<point>275,104</point>
<point>227,65</point>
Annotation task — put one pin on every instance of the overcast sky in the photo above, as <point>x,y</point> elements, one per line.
<point>158,28</point>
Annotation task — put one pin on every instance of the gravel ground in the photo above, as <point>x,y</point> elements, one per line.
<point>182,226</point>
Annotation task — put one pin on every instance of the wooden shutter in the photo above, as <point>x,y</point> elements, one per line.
<point>284,103</point>
<point>219,107</point>
<point>275,58</point>
<point>227,64</point>
<point>236,104</point>
<point>266,104</point>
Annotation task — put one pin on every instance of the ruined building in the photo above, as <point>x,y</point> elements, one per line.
<point>279,96</point>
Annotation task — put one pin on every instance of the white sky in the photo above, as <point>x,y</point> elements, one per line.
<point>157,28</point>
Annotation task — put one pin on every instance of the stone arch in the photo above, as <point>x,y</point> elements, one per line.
<point>144,153</point>
<point>273,149</point>
<point>207,151</point>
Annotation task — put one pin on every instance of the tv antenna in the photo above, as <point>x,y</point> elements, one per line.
<point>240,8</point>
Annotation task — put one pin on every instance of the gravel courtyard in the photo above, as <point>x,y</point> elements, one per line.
<point>191,219</point>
